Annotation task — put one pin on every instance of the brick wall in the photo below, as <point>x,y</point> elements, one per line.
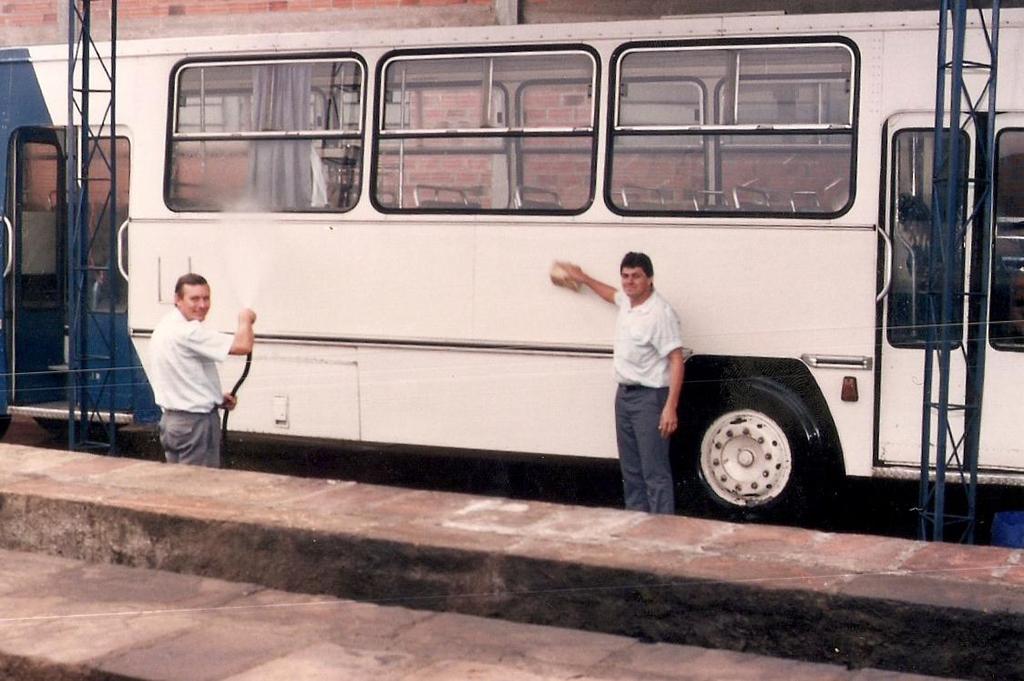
<point>37,12</point>
<point>170,8</point>
<point>548,11</point>
<point>27,13</point>
<point>26,22</point>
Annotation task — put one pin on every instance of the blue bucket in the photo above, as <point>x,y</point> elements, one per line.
<point>1008,529</point>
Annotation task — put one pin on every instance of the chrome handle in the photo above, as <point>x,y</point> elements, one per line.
<point>836,361</point>
<point>10,246</point>
<point>120,249</point>
<point>888,265</point>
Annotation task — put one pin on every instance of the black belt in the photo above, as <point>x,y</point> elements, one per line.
<point>629,387</point>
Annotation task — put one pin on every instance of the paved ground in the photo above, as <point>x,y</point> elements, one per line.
<point>858,601</point>
<point>64,619</point>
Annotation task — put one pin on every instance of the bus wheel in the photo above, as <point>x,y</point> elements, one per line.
<point>754,455</point>
<point>746,459</point>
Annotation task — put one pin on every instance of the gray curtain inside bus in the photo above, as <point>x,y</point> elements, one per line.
<point>279,170</point>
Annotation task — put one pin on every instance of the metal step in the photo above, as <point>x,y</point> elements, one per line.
<point>909,472</point>
<point>58,411</point>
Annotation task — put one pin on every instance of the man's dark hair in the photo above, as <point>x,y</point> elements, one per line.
<point>190,279</point>
<point>640,260</point>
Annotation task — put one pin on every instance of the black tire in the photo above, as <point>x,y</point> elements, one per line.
<point>753,452</point>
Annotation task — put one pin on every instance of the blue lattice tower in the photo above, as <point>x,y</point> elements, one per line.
<point>92,229</point>
<point>957,108</point>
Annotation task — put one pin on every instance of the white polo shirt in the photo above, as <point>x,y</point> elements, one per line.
<point>644,337</point>
<point>183,357</point>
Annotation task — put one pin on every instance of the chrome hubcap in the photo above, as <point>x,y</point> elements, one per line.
<point>746,458</point>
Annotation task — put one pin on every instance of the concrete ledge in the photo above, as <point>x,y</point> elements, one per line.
<point>859,601</point>
<point>63,620</point>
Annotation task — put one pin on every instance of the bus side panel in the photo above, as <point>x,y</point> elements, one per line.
<point>739,291</point>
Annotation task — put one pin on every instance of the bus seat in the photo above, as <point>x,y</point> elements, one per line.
<point>805,201</point>
<point>712,198</point>
<point>834,200</point>
<point>820,200</point>
<point>745,197</point>
<point>635,197</point>
<point>536,198</point>
<point>437,196</point>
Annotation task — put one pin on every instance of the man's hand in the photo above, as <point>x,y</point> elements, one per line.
<point>669,415</point>
<point>573,271</point>
<point>247,316</point>
<point>229,403</point>
<point>668,423</point>
<point>576,274</point>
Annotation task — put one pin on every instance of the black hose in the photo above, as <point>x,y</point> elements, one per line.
<point>224,458</point>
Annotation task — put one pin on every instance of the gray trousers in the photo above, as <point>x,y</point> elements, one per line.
<point>189,438</point>
<point>643,452</point>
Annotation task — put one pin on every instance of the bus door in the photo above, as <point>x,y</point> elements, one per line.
<point>34,271</point>
<point>1001,444</point>
<point>107,289</point>
<point>904,309</point>
<point>36,281</point>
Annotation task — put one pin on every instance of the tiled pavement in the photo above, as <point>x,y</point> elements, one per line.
<point>74,621</point>
<point>850,600</point>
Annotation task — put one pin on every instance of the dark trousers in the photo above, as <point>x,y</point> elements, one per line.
<point>643,452</point>
<point>190,438</point>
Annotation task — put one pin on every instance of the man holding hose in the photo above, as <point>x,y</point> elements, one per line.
<point>183,358</point>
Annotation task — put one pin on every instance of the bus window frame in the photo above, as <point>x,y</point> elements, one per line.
<point>891,211</point>
<point>993,325</point>
<point>712,135</point>
<point>517,143</point>
<point>173,136</point>
<point>695,82</point>
<point>510,133</point>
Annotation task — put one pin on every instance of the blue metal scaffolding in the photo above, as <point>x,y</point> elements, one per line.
<point>955,454</point>
<point>91,158</point>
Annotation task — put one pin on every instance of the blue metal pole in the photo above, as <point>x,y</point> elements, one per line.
<point>113,283</point>
<point>927,519</point>
<point>979,339</point>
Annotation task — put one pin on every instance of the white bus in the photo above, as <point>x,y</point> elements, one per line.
<point>391,202</point>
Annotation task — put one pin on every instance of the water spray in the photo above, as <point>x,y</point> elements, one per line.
<point>247,285</point>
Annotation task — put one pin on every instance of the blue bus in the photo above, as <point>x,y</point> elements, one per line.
<point>34,378</point>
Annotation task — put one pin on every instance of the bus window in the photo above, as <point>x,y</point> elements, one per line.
<point>500,132</point>
<point>910,225</point>
<point>750,129</point>
<point>39,214</point>
<point>1007,298</point>
<point>99,224</point>
<point>267,135</point>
